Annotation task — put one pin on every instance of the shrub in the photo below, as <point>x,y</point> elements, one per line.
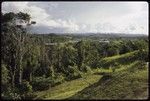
<point>143,55</point>
<point>11,94</point>
<point>85,68</point>
<point>5,78</point>
<point>28,96</point>
<point>41,83</point>
<point>113,69</point>
<point>25,87</point>
<point>4,74</point>
<point>73,73</point>
<point>58,79</point>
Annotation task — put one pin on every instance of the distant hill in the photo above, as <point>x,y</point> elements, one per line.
<point>92,36</point>
<point>107,35</point>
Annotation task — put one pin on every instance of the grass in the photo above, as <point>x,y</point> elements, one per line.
<point>125,84</point>
<point>68,89</point>
<point>119,56</point>
<point>123,59</point>
<point>129,81</point>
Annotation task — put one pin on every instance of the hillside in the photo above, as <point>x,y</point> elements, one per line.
<point>124,59</point>
<point>129,81</point>
<point>68,89</point>
<point>127,84</point>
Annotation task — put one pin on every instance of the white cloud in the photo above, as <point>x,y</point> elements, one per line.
<point>13,6</point>
<point>119,17</point>
<point>39,15</point>
<point>137,17</point>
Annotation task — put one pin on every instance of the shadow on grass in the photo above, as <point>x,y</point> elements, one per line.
<point>101,73</point>
<point>103,81</point>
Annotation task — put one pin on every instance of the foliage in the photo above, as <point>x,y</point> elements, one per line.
<point>40,62</point>
<point>11,94</point>
<point>41,83</point>
<point>25,87</point>
<point>4,73</point>
<point>74,73</point>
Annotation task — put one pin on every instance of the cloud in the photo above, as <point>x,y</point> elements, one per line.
<point>47,6</point>
<point>13,6</point>
<point>38,13</point>
<point>46,29</point>
<point>82,17</point>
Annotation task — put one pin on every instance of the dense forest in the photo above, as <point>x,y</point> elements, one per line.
<point>37,62</point>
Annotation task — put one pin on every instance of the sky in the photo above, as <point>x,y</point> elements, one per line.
<point>84,17</point>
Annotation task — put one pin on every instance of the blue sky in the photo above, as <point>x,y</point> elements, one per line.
<point>83,17</point>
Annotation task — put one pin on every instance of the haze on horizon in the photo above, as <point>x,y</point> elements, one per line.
<point>84,17</point>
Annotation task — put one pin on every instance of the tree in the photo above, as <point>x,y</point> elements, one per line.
<point>91,54</point>
<point>81,54</point>
<point>50,56</point>
<point>31,59</point>
<point>13,39</point>
<point>5,76</point>
<point>9,43</point>
<point>68,58</point>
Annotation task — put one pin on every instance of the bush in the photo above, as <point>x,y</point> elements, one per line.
<point>41,83</point>
<point>94,64</point>
<point>85,68</point>
<point>19,92</point>
<point>41,86</point>
<point>73,73</point>
<point>28,96</point>
<point>58,79</point>
<point>5,76</point>
<point>143,55</point>
<point>11,94</point>
<point>25,87</point>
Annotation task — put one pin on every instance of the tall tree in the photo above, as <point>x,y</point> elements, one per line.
<point>81,54</point>
<point>14,30</point>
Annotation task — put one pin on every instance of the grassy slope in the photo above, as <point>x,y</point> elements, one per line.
<point>123,59</point>
<point>131,83</point>
<point>68,89</point>
<point>126,82</point>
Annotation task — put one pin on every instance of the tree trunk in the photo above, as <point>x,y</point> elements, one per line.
<point>12,73</point>
<point>13,80</point>
<point>59,62</point>
<point>30,77</point>
<point>13,69</point>
<point>20,70</point>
